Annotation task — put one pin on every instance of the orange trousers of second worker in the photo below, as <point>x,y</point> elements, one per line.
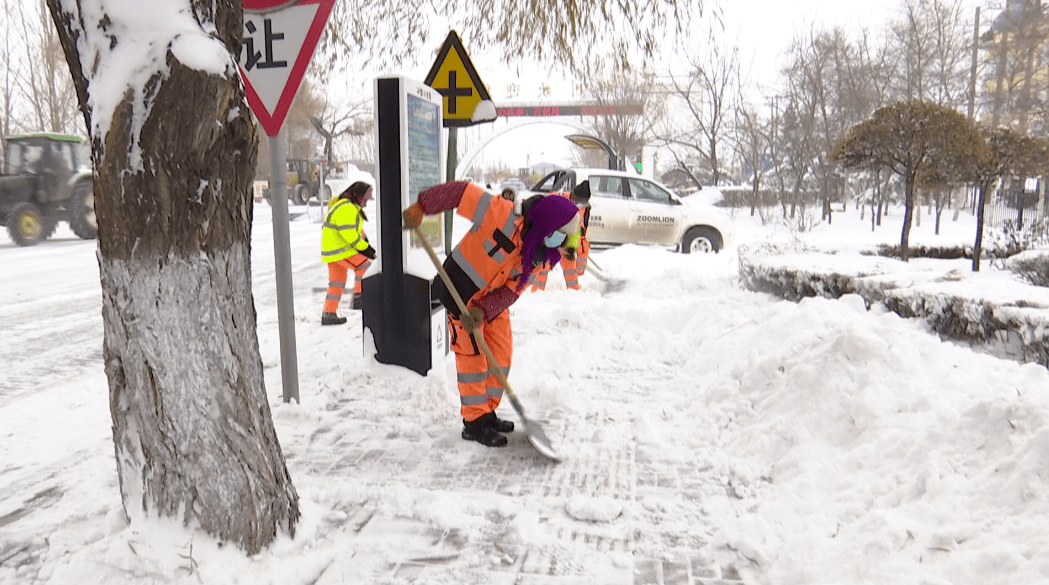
<point>573,269</point>
<point>337,273</point>
<point>480,390</point>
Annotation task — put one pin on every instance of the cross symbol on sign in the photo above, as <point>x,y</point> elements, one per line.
<point>452,92</point>
<point>461,89</point>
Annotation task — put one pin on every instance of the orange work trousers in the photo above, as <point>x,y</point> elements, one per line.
<point>479,388</point>
<point>337,272</point>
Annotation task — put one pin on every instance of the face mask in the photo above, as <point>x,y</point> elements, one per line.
<point>554,240</point>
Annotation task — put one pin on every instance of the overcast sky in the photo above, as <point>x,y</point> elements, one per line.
<point>761,28</point>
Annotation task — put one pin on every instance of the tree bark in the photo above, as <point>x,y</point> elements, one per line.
<point>192,428</point>
<point>908,214</point>
<point>978,244</point>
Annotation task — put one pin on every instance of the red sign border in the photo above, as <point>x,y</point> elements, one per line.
<point>272,121</point>
<point>264,6</point>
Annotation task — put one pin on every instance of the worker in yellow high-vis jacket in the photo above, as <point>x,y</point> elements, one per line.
<point>345,247</point>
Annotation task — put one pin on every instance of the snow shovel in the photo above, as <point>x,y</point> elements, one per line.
<point>536,436</point>
<point>611,284</point>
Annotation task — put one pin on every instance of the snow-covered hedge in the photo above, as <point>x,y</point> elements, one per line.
<point>1032,266</point>
<point>994,313</point>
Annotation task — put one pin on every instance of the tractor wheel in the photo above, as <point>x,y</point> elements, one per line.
<point>26,225</point>
<point>82,219</point>
<point>50,225</point>
<point>301,194</point>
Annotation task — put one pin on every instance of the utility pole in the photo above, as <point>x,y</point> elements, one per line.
<point>972,73</point>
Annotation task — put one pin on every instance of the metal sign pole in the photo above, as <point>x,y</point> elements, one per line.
<point>321,193</point>
<point>453,148</point>
<point>289,367</point>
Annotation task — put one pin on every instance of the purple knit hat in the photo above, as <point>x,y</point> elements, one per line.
<point>544,218</point>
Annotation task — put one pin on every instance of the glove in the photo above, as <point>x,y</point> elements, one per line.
<point>369,252</point>
<point>574,241</point>
<point>472,319</point>
<point>413,216</point>
<point>570,253</point>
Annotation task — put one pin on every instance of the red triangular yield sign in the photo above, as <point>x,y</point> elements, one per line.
<point>276,50</point>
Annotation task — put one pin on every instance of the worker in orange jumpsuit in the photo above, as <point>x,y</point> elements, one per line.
<point>573,261</point>
<point>490,267</point>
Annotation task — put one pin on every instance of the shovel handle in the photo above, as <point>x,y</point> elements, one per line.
<point>492,365</point>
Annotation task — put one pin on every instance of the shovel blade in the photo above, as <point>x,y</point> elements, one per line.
<point>612,285</point>
<point>536,435</point>
<point>608,283</point>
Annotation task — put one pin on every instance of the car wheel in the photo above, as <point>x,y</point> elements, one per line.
<point>26,225</point>
<point>701,240</point>
<point>82,218</point>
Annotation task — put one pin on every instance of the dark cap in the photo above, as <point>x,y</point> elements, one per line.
<point>581,193</point>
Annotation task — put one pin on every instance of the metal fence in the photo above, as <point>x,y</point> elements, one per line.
<point>1021,208</point>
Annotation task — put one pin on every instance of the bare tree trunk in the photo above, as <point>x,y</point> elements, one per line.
<point>1040,214</point>
<point>978,244</point>
<point>44,83</point>
<point>939,212</point>
<point>192,428</point>
<point>908,212</point>
<point>7,90</point>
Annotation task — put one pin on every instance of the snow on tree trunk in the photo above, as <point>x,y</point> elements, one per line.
<point>174,158</point>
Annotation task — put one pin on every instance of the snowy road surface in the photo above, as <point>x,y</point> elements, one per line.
<point>708,432</point>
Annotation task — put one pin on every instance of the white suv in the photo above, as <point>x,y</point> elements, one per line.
<point>627,208</point>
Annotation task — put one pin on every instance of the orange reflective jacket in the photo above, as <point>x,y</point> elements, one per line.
<point>488,256</point>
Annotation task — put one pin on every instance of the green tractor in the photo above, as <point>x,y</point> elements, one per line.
<point>46,180</point>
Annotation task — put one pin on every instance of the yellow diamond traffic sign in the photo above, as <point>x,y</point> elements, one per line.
<point>454,77</point>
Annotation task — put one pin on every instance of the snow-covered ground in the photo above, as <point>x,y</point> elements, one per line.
<point>707,431</point>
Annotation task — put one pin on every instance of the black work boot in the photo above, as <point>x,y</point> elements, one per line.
<point>356,303</point>
<point>332,319</point>
<point>483,431</point>
<point>502,425</point>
